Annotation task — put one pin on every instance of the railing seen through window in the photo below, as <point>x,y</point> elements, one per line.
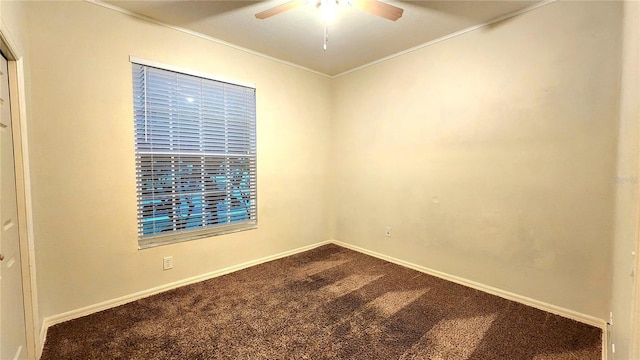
<point>195,155</point>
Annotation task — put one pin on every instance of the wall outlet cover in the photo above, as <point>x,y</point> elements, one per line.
<point>167,263</point>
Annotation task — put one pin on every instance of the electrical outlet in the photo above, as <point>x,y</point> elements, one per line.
<point>387,231</point>
<point>167,263</point>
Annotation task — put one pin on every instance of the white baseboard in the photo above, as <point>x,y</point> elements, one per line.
<point>605,342</point>
<point>18,353</point>
<point>574,315</point>
<point>43,337</point>
<point>74,314</point>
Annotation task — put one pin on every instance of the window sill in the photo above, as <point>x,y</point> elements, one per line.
<point>173,238</point>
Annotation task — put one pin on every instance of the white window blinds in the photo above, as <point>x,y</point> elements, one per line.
<point>195,141</point>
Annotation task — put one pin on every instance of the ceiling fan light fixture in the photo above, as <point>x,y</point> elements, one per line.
<point>328,10</point>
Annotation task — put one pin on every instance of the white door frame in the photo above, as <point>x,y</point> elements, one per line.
<point>634,344</point>
<point>23,190</point>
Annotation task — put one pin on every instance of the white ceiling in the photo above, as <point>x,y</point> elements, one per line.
<point>356,37</point>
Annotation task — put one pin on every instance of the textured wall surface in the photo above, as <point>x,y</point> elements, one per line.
<point>83,166</point>
<point>491,155</point>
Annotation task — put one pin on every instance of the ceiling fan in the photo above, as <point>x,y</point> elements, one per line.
<point>374,7</point>
<point>329,7</point>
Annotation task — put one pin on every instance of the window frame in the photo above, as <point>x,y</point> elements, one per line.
<point>177,236</point>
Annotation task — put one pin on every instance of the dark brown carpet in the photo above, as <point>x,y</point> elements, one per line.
<point>327,303</point>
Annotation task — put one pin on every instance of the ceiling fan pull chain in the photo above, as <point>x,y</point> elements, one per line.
<point>326,36</point>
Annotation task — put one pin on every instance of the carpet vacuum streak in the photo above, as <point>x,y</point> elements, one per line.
<point>326,303</point>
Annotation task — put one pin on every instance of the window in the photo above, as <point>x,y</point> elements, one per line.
<point>195,142</point>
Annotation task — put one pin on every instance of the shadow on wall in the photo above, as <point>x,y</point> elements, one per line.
<point>478,12</point>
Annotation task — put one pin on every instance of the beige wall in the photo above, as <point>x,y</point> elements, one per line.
<point>627,214</point>
<point>491,154</point>
<point>82,155</point>
<point>14,22</point>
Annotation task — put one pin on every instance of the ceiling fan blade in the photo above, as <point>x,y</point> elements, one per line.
<point>278,9</point>
<point>384,10</point>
